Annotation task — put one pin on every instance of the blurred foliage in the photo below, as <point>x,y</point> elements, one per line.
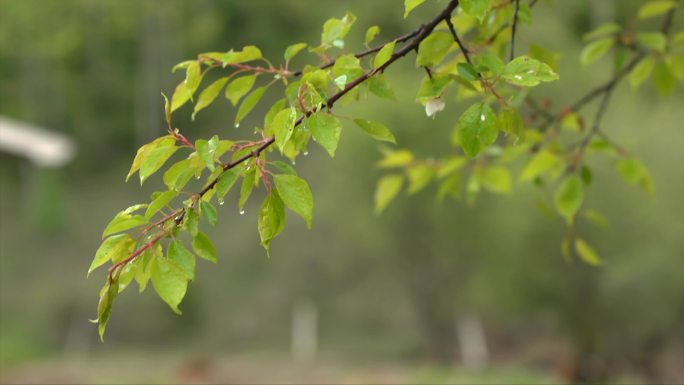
<point>387,288</point>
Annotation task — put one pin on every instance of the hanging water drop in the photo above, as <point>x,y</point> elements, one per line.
<point>293,162</point>
<point>197,176</point>
<point>237,125</point>
<point>306,153</point>
<point>242,211</point>
<point>221,203</point>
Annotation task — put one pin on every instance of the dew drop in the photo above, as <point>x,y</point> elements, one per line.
<point>242,211</point>
<point>482,117</point>
<point>518,77</point>
<point>237,125</point>
<point>306,153</point>
<point>176,219</point>
<point>293,162</point>
<point>221,203</point>
<point>197,177</point>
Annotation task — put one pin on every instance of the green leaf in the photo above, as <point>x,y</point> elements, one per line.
<point>433,49</point>
<point>248,53</point>
<point>226,182</point>
<point>154,159</point>
<point>653,40</point>
<point>239,88</point>
<point>248,104</point>
<point>569,197</point>
<point>144,151</point>
<point>398,158</point>
<point>208,212</point>
<point>203,247</point>
<point>104,306</point>
<point>292,50</point>
<point>284,167</point>
<point>177,253</point>
<point>296,194</point>
<point>476,128</point>
<point>206,149</point>
<point>191,222</point>
<point>432,87</point>
<point>380,87</point>
<point>334,30</point>
<point>419,176</point>
<point>409,5</point>
<point>496,179</point>
<point>641,72</point>
<point>114,248</point>
<point>540,163</point>
<point>326,130</point>
<point>663,79</point>
<point>631,170</point>
<point>528,72</point>
<point>271,219</point>
<point>595,50</point>
<point>545,56</point>
<point>477,8</point>
<point>170,281</point>
<point>388,188</point>
<point>193,76</point>
<point>491,62</point>
<point>376,130</point>
<point>208,95</point>
<point>597,218</point>
<point>246,188</point>
<point>451,165</point>
<point>180,96</point>
<point>384,54</point>
<point>467,71</point>
<point>511,122</point>
<point>655,8</point>
<point>602,30</point>
<point>586,253</point>
<point>283,126</point>
<point>159,203</point>
<point>371,33</point>
<point>123,221</point>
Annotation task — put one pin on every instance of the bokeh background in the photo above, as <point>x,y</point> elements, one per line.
<point>424,293</point>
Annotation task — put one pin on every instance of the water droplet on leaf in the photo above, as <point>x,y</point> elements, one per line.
<point>237,125</point>
<point>306,153</point>
<point>242,211</point>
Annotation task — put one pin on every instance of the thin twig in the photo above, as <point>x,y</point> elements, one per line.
<point>513,27</point>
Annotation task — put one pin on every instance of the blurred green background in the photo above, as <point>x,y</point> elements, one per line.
<point>413,295</point>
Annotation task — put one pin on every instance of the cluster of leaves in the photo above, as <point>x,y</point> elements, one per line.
<point>149,241</point>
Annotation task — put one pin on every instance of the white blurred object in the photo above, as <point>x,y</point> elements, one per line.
<point>43,147</point>
<point>473,344</point>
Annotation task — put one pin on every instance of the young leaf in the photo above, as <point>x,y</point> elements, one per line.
<point>246,188</point>
<point>419,176</point>
<point>334,30</point>
<point>191,222</point>
<point>511,122</point>
<point>586,253</point>
<point>388,188</point>
<point>170,281</point>
<point>239,88</point>
<point>433,87</point>
<point>114,248</point>
<point>371,33</point>
<point>477,8</point>
<point>398,158</point>
<point>144,151</point>
<point>248,53</point>
<point>208,95</point>
<point>283,125</point>
<point>528,72</point>
<point>206,149</point>
<point>663,79</point>
<point>180,96</point>
<point>641,72</point>
<point>476,128</point>
<point>292,50</point>
<point>595,50</point>
<point>540,163</point>
<point>409,5</point>
<point>104,306</point>
<point>601,30</point>
<point>248,104</point>
<point>467,71</point>
<point>569,197</point>
<point>208,212</point>
<point>655,8</point>
<point>384,54</point>
<point>376,130</point>
<point>652,40</point>
<point>155,159</point>
<point>203,247</point>
<point>226,182</point>
<point>496,179</point>
<point>380,87</point>
<point>159,203</point>
<point>182,257</point>
<point>295,192</point>
<point>433,49</point>
<point>123,221</point>
<point>326,129</point>
<point>271,219</point>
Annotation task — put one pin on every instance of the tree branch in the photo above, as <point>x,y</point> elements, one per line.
<point>513,27</point>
